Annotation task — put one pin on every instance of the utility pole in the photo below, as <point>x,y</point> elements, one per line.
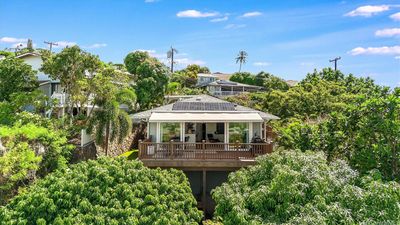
<point>170,55</point>
<point>51,44</point>
<point>335,60</point>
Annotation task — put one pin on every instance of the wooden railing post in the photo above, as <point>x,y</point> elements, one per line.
<point>237,149</point>
<point>171,146</point>
<point>203,147</point>
<point>140,149</point>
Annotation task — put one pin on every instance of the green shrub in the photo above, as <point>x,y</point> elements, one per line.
<point>303,188</point>
<point>106,191</point>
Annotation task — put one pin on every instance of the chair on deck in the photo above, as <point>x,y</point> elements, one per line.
<point>211,138</point>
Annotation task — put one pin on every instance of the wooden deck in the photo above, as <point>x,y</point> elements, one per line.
<point>194,156</point>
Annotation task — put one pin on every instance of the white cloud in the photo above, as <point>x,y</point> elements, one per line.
<point>187,61</point>
<point>368,10</point>
<point>97,45</point>
<point>251,14</point>
<point>395,17</point>
<point>234,26</point>
<point>261,63</point>
<point>225,18</point>
<point>191,13</point>
<point>389,32</point>
<point>12,40</point>
<point>63,44</point>
<point>150,1</point>
<point>397,57</point>
<point>385,50</point>
<point>22,45</point>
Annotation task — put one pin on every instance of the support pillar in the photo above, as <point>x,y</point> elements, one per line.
<point>204,198</point>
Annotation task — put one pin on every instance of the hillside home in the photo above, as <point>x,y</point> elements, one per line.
<point>206,137</point>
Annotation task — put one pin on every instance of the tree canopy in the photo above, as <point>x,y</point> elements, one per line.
<point>106,191</point>
<point>15,77</point>
<point>150,78</point>
<point>293,187</point>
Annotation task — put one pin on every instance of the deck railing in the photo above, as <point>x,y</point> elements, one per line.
<point>202,150</point>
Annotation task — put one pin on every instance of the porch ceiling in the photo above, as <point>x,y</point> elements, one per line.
<point>205,117</point>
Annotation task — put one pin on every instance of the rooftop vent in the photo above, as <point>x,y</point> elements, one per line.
<point>198,99</point>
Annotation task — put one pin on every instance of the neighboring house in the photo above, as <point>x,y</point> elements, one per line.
<point>206,137</point>
<point>205,78</point>
<point>51,88</point>
<point>227,88</point>
<point>219,87</point>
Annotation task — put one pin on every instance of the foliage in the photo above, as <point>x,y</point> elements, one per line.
<point>15,77</point>
<point>262,79</point>
<point>106,191</point>
<point>150,78</point>
<point>28,151</point>
<point>303,188</point>
<point>74,68</point>
<point>188,77</point>
<point>109,122</point>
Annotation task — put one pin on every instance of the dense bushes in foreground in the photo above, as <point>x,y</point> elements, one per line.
<point>303,188</point>
<point>106,191</point>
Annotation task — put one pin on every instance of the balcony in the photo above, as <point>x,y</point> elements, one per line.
<point>203,155</point>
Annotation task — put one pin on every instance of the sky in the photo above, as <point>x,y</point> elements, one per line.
<point>286,38</point>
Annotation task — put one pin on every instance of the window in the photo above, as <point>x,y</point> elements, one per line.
<point>238,132</point>
<point>220,128</point>
<point>170,132</point>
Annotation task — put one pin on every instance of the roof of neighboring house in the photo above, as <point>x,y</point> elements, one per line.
<point>227,83</point>
<point>292,83</point>
<point>201,104</point>
<point>223,76</point>
<point>206,75</point>
<point>28,54</point>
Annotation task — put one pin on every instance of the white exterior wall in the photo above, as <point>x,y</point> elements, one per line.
<point>36,63</point>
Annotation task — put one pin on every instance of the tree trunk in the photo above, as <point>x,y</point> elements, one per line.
<point>107,139</point>
<point>240,67</point>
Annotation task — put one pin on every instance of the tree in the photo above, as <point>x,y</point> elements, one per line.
<point>72,66</point>
<point>292,187</point>
<point>16,76</point>
<point>241,59</point>
<point>109,122</point>
<point>29,149</point>
<point>151,78</point>
<point>106,191</point>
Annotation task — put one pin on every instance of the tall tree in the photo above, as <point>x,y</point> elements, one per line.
<point>241,59</point>
<point>71,66</point>
<point>109,122</point>
<point>15,76</point>
<point>150,76</point>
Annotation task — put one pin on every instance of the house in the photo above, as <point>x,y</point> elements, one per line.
<point>206,137</point>
<point>227,88</point>
<point>51,88</point>
<point>205,78</point>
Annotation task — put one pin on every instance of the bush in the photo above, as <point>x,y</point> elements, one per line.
<point>106,191</point>
<point>302,188</point>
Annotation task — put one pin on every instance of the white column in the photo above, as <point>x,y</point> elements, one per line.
<point>226,132</point>
<point>260,134</point>
<point>182,131</point>
<point>250,126</point>
<point>158,133</point>
<point>148,130</point>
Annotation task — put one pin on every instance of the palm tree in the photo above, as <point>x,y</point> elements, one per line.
<point>170,55</point>
<point>110,122</point>
<point>241,58</point>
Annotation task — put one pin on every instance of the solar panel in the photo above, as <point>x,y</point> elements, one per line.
<point>203,106</point>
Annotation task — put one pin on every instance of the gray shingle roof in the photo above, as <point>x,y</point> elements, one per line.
<point>209,104</point>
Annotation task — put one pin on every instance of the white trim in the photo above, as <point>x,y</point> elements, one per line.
<point>250,136</point>
<point>158,133</point>
<point>205,117</point>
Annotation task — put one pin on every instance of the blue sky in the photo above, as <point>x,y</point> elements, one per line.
<point>286,38</point>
